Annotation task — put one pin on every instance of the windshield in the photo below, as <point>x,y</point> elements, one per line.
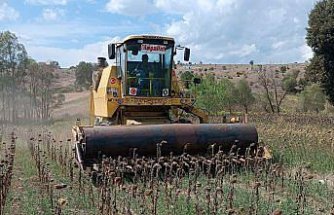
<point>149,69</point>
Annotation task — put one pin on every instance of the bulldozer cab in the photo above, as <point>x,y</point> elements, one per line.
<point>144,64</point>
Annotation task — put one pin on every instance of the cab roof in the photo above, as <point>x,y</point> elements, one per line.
<point>131,37</point>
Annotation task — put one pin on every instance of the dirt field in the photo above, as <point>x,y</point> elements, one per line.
<point>76,104</point>
<point>39,176</point>
<point>297,180</point>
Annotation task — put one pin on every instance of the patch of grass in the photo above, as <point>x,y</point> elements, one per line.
<point>293,182</point>
<point>300,144</point>
<point>25,192</point>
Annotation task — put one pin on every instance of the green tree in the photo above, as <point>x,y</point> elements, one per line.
<point>186,78</point>
<point>26,87</point>
<point>290,81</point>
<point>245,97</point>
<point>42,96</point>
<point>83,75</point>
<point>13,60</point>
<point>46,92</point>
<point>283,69</point>
<point>315,71</point>
<point>312,98</point>
<point>251,63</point>
<point>231,95</point>
<point>216,95</point>
<point>209,95</point>
<point>320,37</point>
<point>273,90</point>
<point>54,64</point>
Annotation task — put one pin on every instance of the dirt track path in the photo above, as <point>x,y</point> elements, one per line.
<point>18,189</point>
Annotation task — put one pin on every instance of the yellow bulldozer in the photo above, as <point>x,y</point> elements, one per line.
<point>137,104</point>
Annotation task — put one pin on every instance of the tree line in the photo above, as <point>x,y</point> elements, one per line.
<point>320,37</point>
<point>218,95</point>
<point>26,91</point>
<point>27,87</point>
<point>221,96</point>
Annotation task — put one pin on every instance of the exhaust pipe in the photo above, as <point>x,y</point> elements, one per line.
<point>101,62</point>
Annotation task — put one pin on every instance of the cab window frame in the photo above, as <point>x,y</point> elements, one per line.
<point>166,60</point>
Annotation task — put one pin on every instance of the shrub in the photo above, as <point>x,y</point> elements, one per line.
<point>240,73</point>
<point>312,98</point>
<point>290,81</point>
<point>283,69</point>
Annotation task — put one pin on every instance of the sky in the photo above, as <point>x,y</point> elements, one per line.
<point>216,31</point>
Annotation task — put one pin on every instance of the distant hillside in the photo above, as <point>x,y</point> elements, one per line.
<point>77,103</point>
<point>235,72</point>
<point>65,78</point>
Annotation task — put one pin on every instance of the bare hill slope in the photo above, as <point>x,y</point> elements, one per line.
<point>76,104</point>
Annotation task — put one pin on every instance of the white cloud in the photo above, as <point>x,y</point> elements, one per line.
<point>296,20</point>
<point>67,41</point>
<point>278,45</point>
<point>52,14</point>
<point>71,57</point>
<point>145,7</point>
<point>217,31</point>
<point>235,30</point>
<point>306,52</point>
<point>130,7</point>
<point>244,51</point>
<point>229,30</point>
<point>7,12</point>
<point>47,2</point>
<point>44,34</point>
<point>173,6</point>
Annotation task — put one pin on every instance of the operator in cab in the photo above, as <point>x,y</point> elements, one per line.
<point>142,71</point>
<point>149,69</point>
<point>147,77</point>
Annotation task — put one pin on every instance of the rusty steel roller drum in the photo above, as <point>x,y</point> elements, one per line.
<point>196,138</point>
